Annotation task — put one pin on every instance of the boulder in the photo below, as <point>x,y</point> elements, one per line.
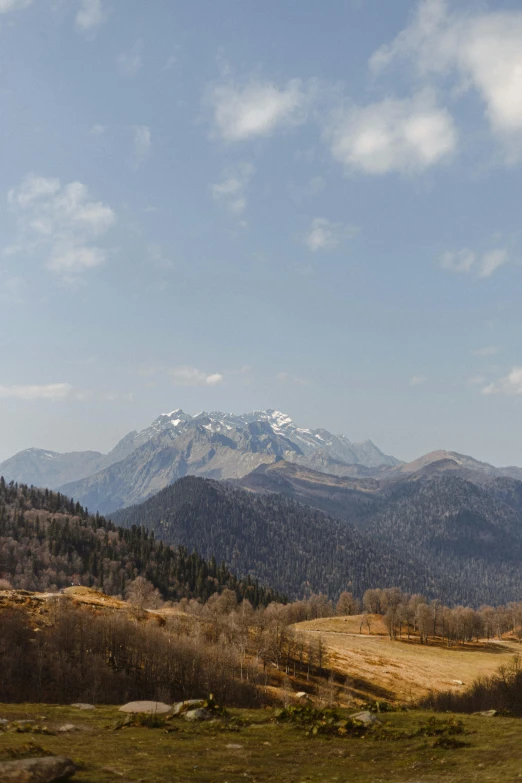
<point>302,695</point>
<point>198,714</point>
<point>40,770</point>
<point>68,727</point>
<point>81,706</point>
<point>486,713</point>
<point>183,706</point>
<point>365,717</point>
<point>3,722</point>
<point>146,707</point>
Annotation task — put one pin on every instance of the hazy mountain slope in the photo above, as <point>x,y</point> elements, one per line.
<point>458,463</point>
<point>49,468</point>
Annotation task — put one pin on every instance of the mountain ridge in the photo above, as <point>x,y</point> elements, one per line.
<point>211,445</point>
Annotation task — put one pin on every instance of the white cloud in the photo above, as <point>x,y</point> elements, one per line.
<point>458,260</point>
<point>492,261</point>
<point>50,391</point>
<point>417,380</point>
<point>511,384</point>
<point>13,5</point>
<point>90,15</point>
<point>190,376</point>
<point>466,261</point>
<point>129,63</point>
<point>482,50</point>
<point>141,144</point>
<point>257,108</point>
<point>231,191</point>
<point>62,220</point>
<point>325,235</point>
<point>394,135</point>
<point>98,129</point>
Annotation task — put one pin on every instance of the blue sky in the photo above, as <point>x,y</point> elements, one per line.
<point>232,205</point>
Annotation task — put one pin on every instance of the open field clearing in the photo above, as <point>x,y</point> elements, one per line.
<point>402,670</point>
<point>253,748</point>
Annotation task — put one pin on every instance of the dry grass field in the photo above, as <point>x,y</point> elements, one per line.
<point>402,670</point>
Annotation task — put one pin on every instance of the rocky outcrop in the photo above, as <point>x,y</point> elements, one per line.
<point>39,770</point>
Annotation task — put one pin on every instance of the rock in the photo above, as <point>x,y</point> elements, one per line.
<point>457,682</point>
<point>81,706</point>
<point>198,714</point>
<point>234,746</point>
<point>3,722</point>
<point>183,706</point>
<point>40,770</point>
<point>68,727</point>
<point>146,707</point>
<point>486,713</point>
<point>302,695</point>
<point>365,717</point>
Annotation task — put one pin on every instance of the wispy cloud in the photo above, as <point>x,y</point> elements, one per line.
<point>157,257</point>
<point>393,135</point>
<point>98,129</point>
<point>257,108</point>
<point>480,50</point>
<point>50,391</point>
<point>13,5</point>
<point>141,144</point>
<point>510,384</point>
<point>61,220</point>
<point>90,15</point>
<point>290,378</point>
<point>487,350</point>
<point>191,376</point>
<point>476,380</point>
<point>129,63</point>
<point>466,261</point>
<point>231,191</point>
<point>326,235</point>
<point>418,380</point>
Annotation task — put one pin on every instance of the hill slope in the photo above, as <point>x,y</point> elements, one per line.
<point>48,542</point>
<point>297,548</point>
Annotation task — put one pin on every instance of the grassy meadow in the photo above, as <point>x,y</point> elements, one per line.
<point>403,670</point>
<point>251,746</point>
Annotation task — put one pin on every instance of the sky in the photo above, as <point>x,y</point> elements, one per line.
<point>237,205</point>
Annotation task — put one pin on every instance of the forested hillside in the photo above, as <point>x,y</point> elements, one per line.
<point>48,541</point>
<point>298,548</point>
<point>417,540</point>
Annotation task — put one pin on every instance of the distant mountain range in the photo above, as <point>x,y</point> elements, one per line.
<point>211,445</point>
<point>303,509</point>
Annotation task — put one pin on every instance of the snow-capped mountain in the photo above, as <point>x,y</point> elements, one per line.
<point>213,445</point>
